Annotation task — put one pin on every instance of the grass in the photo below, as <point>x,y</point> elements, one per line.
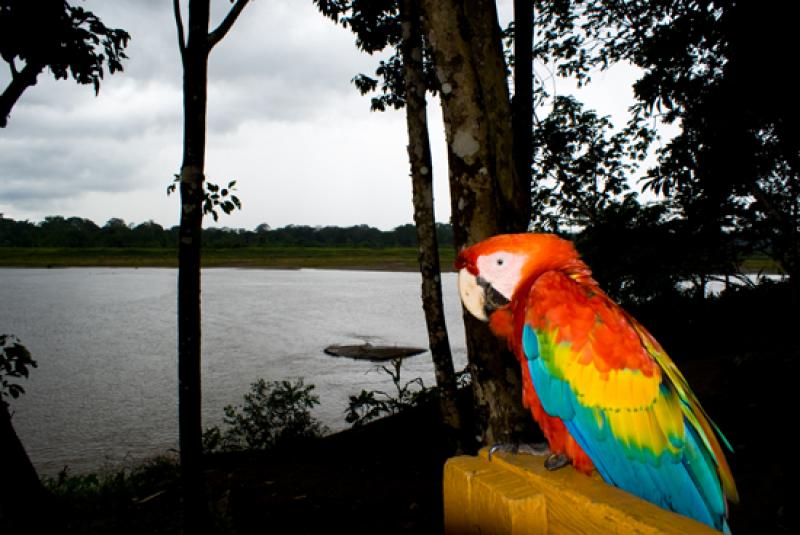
<point>275,257</point>
<point>279,257</point>
<point>760,264</point>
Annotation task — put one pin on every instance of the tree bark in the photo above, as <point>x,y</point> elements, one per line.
<point>484,188</point>
<point>419,154</point>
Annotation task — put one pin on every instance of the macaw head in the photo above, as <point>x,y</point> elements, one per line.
<point>491,272</point>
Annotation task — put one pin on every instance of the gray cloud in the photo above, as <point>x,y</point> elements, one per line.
<point>47,169</point>
<point>283,119</point>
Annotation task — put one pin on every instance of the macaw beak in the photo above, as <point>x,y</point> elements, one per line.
<point>472,294</point>
<point>478,296</point>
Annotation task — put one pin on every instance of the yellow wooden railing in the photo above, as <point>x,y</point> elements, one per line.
<point>515,494</point>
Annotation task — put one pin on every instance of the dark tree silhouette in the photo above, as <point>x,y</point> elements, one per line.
<point>406,79</point>
<point>23,498</point>
<point>522,102</point>
<point>57,231</point>
<point>194,47</point>
<point>736,161</point>
<point>68,40</point>
<point>581,167</point>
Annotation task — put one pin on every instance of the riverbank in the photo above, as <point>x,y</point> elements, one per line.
<point>386,477</point>
<point>278,257</point>
<point>274,257</point>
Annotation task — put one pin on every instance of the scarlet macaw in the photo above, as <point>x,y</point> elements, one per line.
<point>601,388</point>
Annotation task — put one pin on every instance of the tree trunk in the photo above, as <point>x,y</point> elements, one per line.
<point>194,55</point>
<point>419,154</point>
<point>25,505</point>
<point>522,103</point>
<point>484,188</point>
<point>195,75</point>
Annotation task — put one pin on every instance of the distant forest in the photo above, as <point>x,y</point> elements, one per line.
<point>58,231</point>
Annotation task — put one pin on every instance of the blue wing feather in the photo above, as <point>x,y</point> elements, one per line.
<point>687,484</point>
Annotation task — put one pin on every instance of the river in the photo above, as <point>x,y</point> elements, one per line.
<point>105,393</point>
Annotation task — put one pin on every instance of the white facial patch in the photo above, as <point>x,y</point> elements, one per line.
<point>502,270</point>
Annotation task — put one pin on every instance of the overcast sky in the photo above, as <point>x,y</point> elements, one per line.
<point>284,121</point>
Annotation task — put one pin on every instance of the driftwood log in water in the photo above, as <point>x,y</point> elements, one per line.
<point>371,352</point>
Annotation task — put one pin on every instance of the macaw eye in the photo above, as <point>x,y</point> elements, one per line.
<point>499,261</point>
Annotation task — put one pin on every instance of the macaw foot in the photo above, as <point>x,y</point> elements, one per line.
<point>553,462</point>
<point>556,460</point>
<point>538,449</point>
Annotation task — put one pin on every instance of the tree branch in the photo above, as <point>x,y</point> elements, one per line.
<point>19,83</point>
<point>176,4</point>
<point>226,24</point>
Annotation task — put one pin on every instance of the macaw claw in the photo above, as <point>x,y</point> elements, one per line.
<point>539,449</point>
<point>556,460</point>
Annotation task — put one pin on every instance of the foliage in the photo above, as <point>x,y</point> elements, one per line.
<point>744,319</point>
<point>57,231</point>
<point>137,499</point>
<point>68,40</point>
<point>735,161</point>
<point>150,476</point>
<point>214,197</point>
<point>221,198</point>
<point>377,26</point>
<point>640,254</point>
<point>580,167</point>
<point>373,404</point>
<point>274,413</point>
<point>15,361</point>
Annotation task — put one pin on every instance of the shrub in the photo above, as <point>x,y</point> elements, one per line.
<point>14,363</point>
<point>273,413</point>
<point>142,498</point>
<point>371,405</point>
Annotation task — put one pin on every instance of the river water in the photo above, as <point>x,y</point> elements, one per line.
<point>105,391</point>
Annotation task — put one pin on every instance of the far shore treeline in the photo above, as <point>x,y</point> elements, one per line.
<point>58,231</point>
<point>59,241</point>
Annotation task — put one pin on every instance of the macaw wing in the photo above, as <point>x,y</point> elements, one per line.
<point>622,399</point>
